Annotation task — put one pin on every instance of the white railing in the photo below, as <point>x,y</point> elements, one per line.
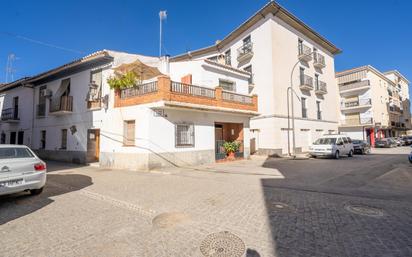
<point>188,89</point>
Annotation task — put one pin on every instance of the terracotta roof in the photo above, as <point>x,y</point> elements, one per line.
<point>275,9</point>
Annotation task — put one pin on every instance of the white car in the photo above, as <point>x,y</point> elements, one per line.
<point>332,146</point>
<point>21,170</point>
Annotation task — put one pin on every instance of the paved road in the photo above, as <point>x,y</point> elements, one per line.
<point>357,206</point>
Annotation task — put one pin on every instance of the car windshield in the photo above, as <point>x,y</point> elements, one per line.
<point>325,141</point>
<point>357,142</point>
<point>14,152</point>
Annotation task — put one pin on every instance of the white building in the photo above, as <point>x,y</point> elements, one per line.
<point>268,45</point>
<point>169,118</point>
<point>373,104</point>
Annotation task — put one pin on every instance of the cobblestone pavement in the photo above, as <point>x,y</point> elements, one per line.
<point>357,206</point>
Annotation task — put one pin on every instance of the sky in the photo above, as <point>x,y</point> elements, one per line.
<point>44,34</point>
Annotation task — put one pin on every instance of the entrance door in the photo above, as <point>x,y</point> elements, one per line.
<point>219,150</point>
<point>12,138</point>
<point>20,137</point>
<point>93,145</point>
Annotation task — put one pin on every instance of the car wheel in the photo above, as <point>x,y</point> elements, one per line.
<point>350,154</point>
<point>337,155</point>
<point>36,191</point>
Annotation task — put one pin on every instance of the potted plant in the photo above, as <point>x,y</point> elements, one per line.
<point>231,148</point>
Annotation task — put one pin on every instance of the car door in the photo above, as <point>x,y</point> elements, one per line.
<point>340,146</point>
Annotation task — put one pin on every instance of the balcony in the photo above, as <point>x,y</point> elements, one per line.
<point>305,53</point>
<point>41,110</point>
<point>319,60</point>
<point>395,109</point>
<point>10,115</point>
<point>175,94</point>
<point>321,88</point>
<point>306,82</point>
<point>245,52</point>
<point>351,122</point>
<point>356,106</point>
<point>357,87</point>
<point>61,106</point>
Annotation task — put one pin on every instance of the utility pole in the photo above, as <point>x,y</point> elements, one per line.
<point>162,16</point>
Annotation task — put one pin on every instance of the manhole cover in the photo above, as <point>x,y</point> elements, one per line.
<point>222,244</point>
<point>169,219</point>
<point>364,210</point>
<point>281,207</point>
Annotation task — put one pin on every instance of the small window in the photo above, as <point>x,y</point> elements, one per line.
<point>227,85</point>
<point>228,58</point>
<point>129,133</point>
<point>319,112</point>
<point>63,145</point>
<point>249,69</point>
<point>304,110</point>
<point>185,135</point>
<point>43,139</point>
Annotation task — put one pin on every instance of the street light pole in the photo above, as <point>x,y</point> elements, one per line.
<point>292,91</point>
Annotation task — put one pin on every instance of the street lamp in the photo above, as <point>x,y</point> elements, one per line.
<point>292,91</point>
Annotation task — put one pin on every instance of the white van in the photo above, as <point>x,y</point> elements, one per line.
<point>332,146</point>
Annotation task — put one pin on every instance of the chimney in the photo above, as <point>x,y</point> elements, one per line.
<point>165,64</point>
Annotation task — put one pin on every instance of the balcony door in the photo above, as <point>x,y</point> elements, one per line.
<point>16,108</point>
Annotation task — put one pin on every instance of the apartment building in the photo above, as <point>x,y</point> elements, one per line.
<point>174,115</point>
<point>373,104</point>
<point>279,50</point>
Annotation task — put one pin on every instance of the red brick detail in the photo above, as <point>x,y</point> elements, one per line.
<point>164,93</point>
<point>187,79</point>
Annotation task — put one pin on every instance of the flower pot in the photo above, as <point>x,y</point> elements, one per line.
<point>231,156</point>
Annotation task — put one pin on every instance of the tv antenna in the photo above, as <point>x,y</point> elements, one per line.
<point>9,67</point>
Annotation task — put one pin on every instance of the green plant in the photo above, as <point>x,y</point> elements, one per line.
<point>122,81</point>
<point>231,147</point>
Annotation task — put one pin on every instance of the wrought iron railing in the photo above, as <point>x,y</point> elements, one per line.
<point>10,114</point>
<point>306,80</point>
<point>192,90</point>
<point>220,152</point>
<point>233,97</point>
<point>246,48</point>
<point>361,102</point>
<point>138,90</point>
<point>318,59</point>
<point>304,50</point>
<point>321,86</point>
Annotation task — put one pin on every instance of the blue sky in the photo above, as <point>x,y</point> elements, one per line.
<point>368,31</point>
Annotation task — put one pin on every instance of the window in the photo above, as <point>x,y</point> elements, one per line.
<point>247,40</point>
<point>319,112</point>
<point>3,138</point>
<point>249,69</point>
<point>43,139</point>
<point>227,85</point>
<point>20,137</point>
<point>302,75</point>
<point>13,138</point>
<point>185,135</point>
<point>16,108</point>
<point>129,133</point>
<point>64,139</point>
<point>41,107</point>
<point>228,57</point>
<point>317,81</point>
<point>304,110</point>
<point>13,153</point>
<point>300,46</point>
<point>345,140</point>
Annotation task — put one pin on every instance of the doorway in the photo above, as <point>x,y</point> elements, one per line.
<point>93,145</point>
<point>228,132</point>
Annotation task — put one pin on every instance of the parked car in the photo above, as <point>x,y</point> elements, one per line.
<point>21,170</point>
<point>385,143</point>
<point>410,157</point>
<point>332,146</point>
<point>407,139</point>
<point>398,140</point>
<point>361,146</point>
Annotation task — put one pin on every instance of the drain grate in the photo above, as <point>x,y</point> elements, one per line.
<point>364,210</point>
<point>222,244</point>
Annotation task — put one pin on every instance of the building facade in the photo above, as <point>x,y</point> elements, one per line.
<point>373,104</point>
<point>167,119</point>
<point>279,50</point>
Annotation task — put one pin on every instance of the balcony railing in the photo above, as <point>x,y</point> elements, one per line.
<point>304,53</point>
<point>306,82</point>
<point>64,104</point>
<point>10,114</point>
<point>357,121</point>
<point>395,109</point>
<point>321,88</point>
<point>356,103</point>
<point>176,93</point>
<point>139,90</point>
<point>318,60</point>
<point>244,99</point>
<point>41,110</point>
<point>355,85</point>
<point>187,89</point>
<point>245,51</point>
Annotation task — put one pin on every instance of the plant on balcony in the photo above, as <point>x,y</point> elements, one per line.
<point>231,148</point>
<point>121,81</point>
